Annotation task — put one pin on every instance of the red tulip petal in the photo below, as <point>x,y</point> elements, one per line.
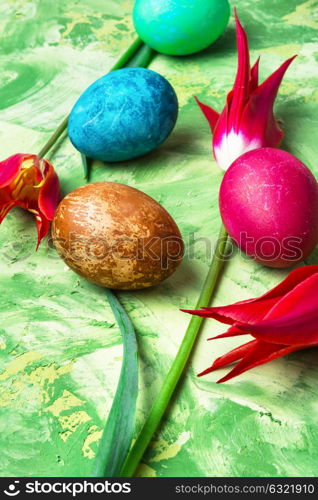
<point>254,76</point>
<point>301,300</point>
<point>10,168</point>
<point>35,189</point>
<point>233,331</point>
<point>293,320</point>
<point>251,354</point>
<point>253,310</point>
<point>219,140</point>
<point>211,115</point>
<point>247,121</point>
<point>5,209</point>
<point>258,354</point>
<point>293,279</point>
<point>242,80</point>
<point>257,119</point>
<point>247,311</point>
<point>43,225</point>
<point>50,192</point>
<point>229,357</point>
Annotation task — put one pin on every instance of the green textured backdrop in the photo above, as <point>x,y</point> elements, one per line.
<point>60,351</point>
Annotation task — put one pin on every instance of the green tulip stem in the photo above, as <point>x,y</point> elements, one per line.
<point>170,383</point>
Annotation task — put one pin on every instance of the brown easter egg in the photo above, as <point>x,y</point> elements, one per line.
<point>116,236</point>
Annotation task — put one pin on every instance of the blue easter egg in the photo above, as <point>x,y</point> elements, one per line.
<point>123,115</point>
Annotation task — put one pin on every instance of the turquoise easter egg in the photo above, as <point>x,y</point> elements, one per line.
<point>125,114</point>
<point>180,27</point>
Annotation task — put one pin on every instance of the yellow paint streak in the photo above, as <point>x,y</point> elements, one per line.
<point>77,18</point>
<point>312,97</point>
<point>48,373</point>
<point>7,397</point>
<point>286,50</point>
<point>288,88</point>
<point>305,14</point>
<point>164,451</point>
<point>94,435</point>
<point>44,376</point>
<point>186,92</point>
<point>63,403</point>
<point>104,32</point>
<point>72,422</point>
<point>20,363</point>
<point>109,27</point>
<point>65,435</point>
<point>40,378</point>
<point>145,471</point>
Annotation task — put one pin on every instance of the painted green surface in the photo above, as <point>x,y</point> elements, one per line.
<point>60,350</point>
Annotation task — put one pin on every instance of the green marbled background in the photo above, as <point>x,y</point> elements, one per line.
<point>60,350</point>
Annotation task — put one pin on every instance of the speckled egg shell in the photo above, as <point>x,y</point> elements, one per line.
<point>125,114</point>
<point>117,236</point>
<point>180,27</point>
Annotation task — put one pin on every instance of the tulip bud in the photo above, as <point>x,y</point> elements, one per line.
<point>247,122</point>
<point>29,182</point>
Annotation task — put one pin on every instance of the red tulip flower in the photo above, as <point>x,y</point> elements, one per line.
<point>247,122</point>
<point>283,320</point>
<point>29,182</point>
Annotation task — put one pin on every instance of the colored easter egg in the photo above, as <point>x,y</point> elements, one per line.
<point>269,206</point>
<point>116,236</point>
<point>180,27</point>
<point>125,114</point>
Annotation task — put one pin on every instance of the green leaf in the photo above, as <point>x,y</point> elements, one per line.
<point>142,57</point>
<point>118,433</point>
<point>177,368</point>
<point>125,58</point>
